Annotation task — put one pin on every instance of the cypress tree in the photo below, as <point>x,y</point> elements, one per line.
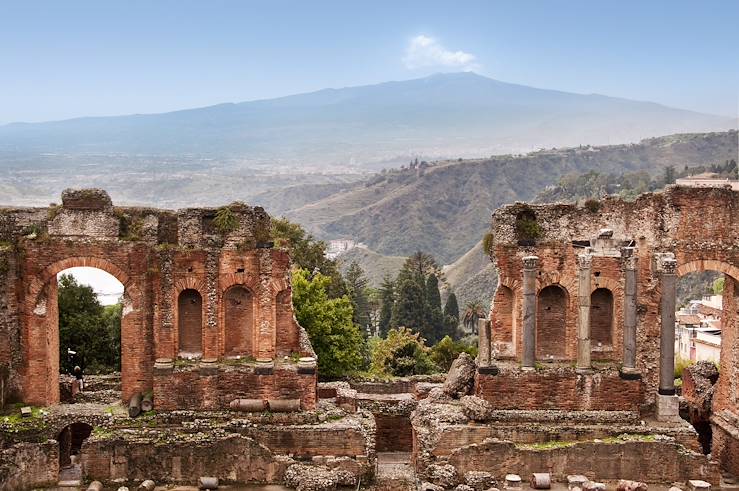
<point>387,301</point>
<point>451,308</point>
<point>410,306</point>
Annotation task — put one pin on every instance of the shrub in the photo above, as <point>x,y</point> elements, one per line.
<point>592,205</point>
<point>401,354</point>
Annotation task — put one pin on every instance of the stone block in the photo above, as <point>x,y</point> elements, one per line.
<point>576,481</point>
<point>668,408</point>
<point>698,485</point>
<point>512,481</point>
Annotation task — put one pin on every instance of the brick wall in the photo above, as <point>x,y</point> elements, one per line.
<point>561,389</point>
<point>597,461</point>
<point>551,323</point>
<point>156,255</point>
<point>601,317</point>
<point>393,433</point>
<point>213,388</point>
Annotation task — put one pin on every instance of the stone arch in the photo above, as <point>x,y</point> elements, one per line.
<point>708,265</point>
<point>190,322</point>
<point>70,440</point>
<point>727,387</point>
<point>601,317</point>
<point>41,332</point>
<point>239,321</point>
<point>551,322</point>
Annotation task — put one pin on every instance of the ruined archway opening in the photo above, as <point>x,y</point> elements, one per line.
<point>70,441</point>
<point>89,308</point>
<point>700,320</point>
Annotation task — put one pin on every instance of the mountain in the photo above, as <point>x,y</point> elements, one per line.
<point>444,208</point>
<point>472,277</point>
<point>441,116</point>
<point>375,266</point>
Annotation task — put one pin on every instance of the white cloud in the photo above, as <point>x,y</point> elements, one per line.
<point>424,51</point>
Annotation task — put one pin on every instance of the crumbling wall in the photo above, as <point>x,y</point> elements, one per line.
<point>598,461</point>
<point>156,255</point>
<point>29,466</point>
<point>700,226</point>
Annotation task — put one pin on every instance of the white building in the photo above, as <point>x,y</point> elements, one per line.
<point>707,180</point>
<point>698,330</point>
<point>338,246</point>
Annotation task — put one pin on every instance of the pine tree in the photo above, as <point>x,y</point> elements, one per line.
<point>387,300</point>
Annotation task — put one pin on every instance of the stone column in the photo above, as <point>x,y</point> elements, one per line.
<point>530,269</point>
<point>585,266</point>
<point>668,279</point>
<point>629,262</point>
<point>483,336</point>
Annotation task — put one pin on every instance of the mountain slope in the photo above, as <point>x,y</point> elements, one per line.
<point>445,115</point>
<point>445,209</point>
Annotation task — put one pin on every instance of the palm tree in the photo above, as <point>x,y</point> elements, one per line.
<point>473,311</point>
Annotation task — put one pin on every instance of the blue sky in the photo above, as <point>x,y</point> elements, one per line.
<point>62,59</point>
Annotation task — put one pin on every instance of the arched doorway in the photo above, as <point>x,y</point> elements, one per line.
<point>190,323</point>
<point>239,321</point>
<point>70,441</point>
<point>551,322</point>
<point>42,336</point>
<point>706,324</point>
<point>90,305</point>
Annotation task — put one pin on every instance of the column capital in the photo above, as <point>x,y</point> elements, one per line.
<point>585,261</point>
<point>530,262</point>
<point>629,257</point>
<point>665,263</point>
<point>669,266</point>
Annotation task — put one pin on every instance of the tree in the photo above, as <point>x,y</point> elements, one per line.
<point>356,286</point>
<point>447,350</point>
<point>472,312</point>
<point>420,265</point>
<point>451,309</point>
<point>433,296</point>
<point>328,321</point>
<point>401,354</point>
<point>387,300</point>
<point>88,328</point>
<point>308,253</point>
<point>718,285</point>
<point>409,309</point>
<point>669,175</point>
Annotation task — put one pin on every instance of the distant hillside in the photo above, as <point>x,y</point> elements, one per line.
<point>376,266</point>
<point>472,277</point>
<point>441,116</point>
<point>445,208</point>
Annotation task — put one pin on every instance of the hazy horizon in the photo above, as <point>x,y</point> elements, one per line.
<point>80,59</point>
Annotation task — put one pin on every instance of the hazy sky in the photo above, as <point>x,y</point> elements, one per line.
<point>107,288</point>
<point>61,59</point>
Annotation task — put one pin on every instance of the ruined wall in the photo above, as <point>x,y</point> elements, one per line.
<point>232,458</point>
<point>157,255</point>
<point>29,466</point>
<point>598,461</point>
<point>700,226</point>
<point>562,389</point>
